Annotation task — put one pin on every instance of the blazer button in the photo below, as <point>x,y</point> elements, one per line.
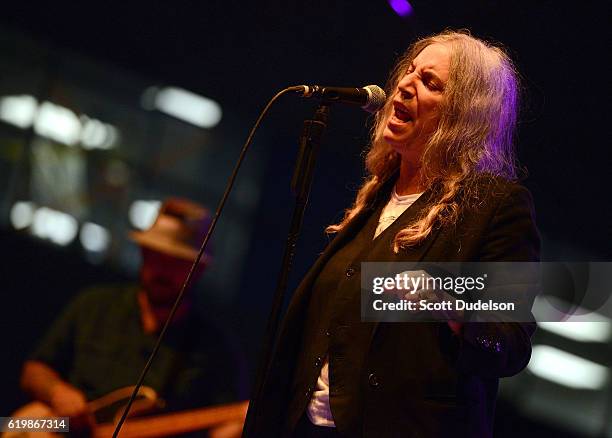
<point>308,393</point>
<point>350,272</point>
<point>373,379</point>
<point>318,362</point>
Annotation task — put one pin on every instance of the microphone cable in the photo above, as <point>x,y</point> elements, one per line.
<point>187,281</point>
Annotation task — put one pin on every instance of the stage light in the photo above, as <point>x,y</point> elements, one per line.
<point>57,123</point>
<point>401,7</point>
<point>567,369</point>
<point>96,134</point>
<point>56,226</point>
<point>582,331</point>
<point>22,214</point>
<point>142,214</point>
<point>112,137</point>
<point>575,322</point>
<point>19,110</point>
<point>94,237</point>
<point>184,105</point>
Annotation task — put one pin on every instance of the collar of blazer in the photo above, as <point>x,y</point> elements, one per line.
<point>407,217</point>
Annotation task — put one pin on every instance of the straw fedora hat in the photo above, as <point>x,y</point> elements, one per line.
<point>178,230</point>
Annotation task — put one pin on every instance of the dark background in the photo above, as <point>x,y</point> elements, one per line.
<point>241,53</point>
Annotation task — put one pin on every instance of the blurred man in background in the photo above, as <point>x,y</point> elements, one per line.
<point>101,341</point>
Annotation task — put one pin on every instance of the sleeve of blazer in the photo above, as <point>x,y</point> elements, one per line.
<point>498,349</point>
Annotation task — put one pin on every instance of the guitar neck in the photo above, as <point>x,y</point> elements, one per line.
<point>175,423</point>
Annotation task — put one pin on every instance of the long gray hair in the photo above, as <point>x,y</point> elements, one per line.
<point>474,135</point>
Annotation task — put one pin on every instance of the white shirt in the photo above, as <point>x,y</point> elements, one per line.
<point>394,208</point>
<point>319,411</point>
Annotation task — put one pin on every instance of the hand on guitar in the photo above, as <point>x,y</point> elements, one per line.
<point>68,401</point>
<point>63,399</point>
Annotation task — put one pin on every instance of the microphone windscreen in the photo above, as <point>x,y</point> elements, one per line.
<point>376,98</point>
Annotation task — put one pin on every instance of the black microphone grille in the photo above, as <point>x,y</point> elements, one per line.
<point>376,98</point>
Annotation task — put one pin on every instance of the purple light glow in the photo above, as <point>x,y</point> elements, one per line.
<point>401,7</point>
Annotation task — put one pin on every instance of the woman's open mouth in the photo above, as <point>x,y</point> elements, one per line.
<point>400,115</point>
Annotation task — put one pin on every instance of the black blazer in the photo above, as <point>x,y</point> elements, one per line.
<point>420,380</point>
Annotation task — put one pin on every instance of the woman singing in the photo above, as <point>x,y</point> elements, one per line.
<point>441,186</point>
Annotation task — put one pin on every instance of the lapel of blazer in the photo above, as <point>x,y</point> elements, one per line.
<point>296,311</point>
<point>302,292</point>
<point>300,298</point>
<point>384,250</point>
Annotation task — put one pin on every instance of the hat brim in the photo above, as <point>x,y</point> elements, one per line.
<point>160,243</point>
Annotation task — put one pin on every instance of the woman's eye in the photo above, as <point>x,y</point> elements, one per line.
<point>432,84</point>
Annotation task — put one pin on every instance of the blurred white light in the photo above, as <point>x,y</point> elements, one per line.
<point>94,237</point>
<point>184,105</point>
<point>57,123</point>
<point>93,133</point>
<point>18,110</point>
<point>58,227</point>
<point>566,369</point>
<point>97,135</point>
<point>22,214</point>
<point>142,214</point>
<point>582,331</point>
<point>576,322</point>
<point>112,136</point>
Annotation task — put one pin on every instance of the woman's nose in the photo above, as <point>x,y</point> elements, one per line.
<point>406,88</point>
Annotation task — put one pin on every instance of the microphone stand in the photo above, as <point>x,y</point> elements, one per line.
<point>187,282</point>
<point>301,182</point>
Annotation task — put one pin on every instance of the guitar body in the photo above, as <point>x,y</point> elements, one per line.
<point>223,421</point>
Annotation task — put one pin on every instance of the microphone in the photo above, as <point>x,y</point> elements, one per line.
<point>371,97</point>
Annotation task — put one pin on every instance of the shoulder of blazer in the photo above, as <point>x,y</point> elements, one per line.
<point>485,193</point>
